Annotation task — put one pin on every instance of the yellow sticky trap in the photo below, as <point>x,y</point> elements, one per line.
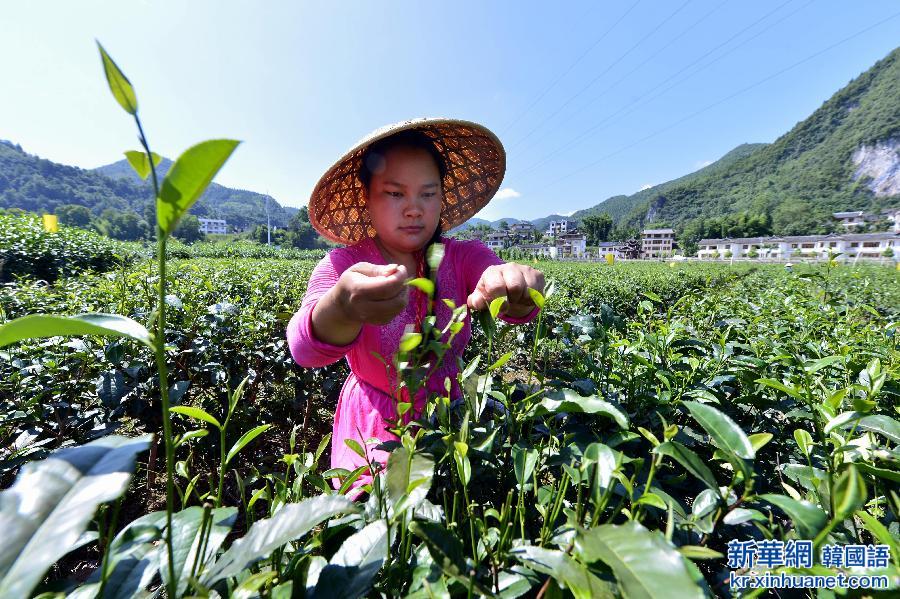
<point>51,223</point>
<point>610,258</point>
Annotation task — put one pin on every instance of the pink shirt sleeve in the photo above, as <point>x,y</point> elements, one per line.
<point>474,259</point>
<point>306,349</point>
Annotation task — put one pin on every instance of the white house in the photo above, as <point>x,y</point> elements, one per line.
<point>213,225</point>
<point>571,245</point>
<point>538,250</point>
<point>497,241</point>
<point>851,219</point>
<point>561,227</point>
<point>893,215</point>
<point>522,228</point>
<point>848,245</point>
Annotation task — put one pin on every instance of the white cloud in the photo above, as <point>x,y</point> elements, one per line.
<point>646,186</point>
<point>570,213</point>
<point>507,193</point>
<point>703,163</point>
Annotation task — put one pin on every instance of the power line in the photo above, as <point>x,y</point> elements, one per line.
<point>606,70</point>
<point>723,100</point>
<point>643,99</point>
<point>568,70</point>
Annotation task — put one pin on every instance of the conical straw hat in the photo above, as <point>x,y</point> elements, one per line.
<point>475,159</point>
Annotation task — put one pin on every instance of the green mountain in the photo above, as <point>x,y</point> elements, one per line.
<point>38,185</point>
<point>845,156</point>
<point>239,207</point>
<point>619,207</point>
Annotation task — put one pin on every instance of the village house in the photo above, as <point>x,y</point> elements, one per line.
<point>523,228</point>
<point>619,249</point>
<point>561,227</point>
<point>849,245</point>
<point>539,250</point>
<point>571,245</point>
<point>855,218</point>
<point>497,240</point>
<point>657,243</point>
<point>213,225</point>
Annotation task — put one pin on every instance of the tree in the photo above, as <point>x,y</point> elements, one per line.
<point>75,215</point>
<point>504,226</point>
<point>300,232</point>
<point>123,225</point>
<point>597,227</point>
<point>188,229</point>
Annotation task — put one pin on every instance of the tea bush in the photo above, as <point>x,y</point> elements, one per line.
<point>27,250</point>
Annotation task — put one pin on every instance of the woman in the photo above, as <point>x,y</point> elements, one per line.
<point>388,199</point>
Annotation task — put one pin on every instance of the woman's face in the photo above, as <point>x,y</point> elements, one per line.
<point>405,199</point>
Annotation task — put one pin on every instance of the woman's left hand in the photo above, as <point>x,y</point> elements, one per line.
<point>510,280</point>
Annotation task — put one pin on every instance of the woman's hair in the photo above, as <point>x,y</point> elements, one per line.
<point>373,159</point>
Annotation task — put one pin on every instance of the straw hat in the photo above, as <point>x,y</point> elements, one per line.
<point>475,161</point>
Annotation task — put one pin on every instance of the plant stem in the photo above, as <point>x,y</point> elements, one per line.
<point>159,342</point>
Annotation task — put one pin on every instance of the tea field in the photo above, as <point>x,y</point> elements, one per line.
<point>614,447</point>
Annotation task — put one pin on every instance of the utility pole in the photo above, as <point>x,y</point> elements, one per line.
<point>268,222</point>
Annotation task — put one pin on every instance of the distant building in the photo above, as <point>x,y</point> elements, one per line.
<point>539,250</point>
<point>561,227</point>
<point>213,225</point>
<point>849,245</point>
<point>497,241</point>
<point>893,215</point>
<point>656,243</point>
<point>619,249</point>
<point>856,218</point>
<point>523,228</point>
<point>571,245</point>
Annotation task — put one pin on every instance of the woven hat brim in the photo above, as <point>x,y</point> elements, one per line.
<point>476,163</point>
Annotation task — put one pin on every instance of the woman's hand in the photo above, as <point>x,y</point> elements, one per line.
<point>371,293</point>
<point>365,293</point>
<point>510,280</point>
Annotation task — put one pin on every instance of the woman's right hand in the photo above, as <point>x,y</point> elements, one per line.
<point>372,293</point>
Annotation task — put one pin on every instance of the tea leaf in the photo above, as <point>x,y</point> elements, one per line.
<point>536,297</point>
<point>495,306</point>
<point>524,461</point>
<point>52,502</point>
<point>580,581</point>
<point>410,341</point>
<point>291,522</point>
<point>119,84</point>
<point>644,563</point>
<point>37,326</point>
<point>187,536</point>
<point>808,519</point>
<point>140,163</point>
<point>188,179</point>
<point>849,493</point>
<point>351,570</point>
<point>728,436</point>
<point>245,439</point>
<point>196,414</point>
<point>423,285</point>
<point>408,475</point>
<point>690,460</point>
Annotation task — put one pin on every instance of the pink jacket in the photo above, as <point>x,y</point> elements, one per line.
<point>366,401</point>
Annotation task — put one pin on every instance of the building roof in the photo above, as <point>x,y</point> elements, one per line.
<point>654,231</point>
<point>847,214</point>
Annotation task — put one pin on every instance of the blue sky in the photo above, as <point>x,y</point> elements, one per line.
<point>591,99</point>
